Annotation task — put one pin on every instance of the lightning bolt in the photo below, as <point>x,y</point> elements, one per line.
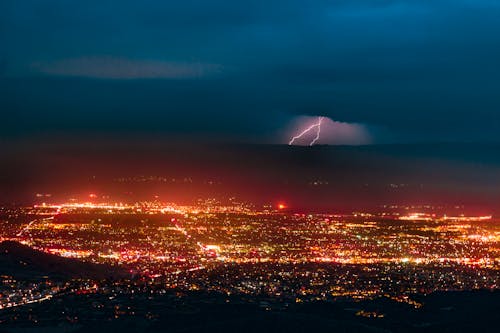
<point>318,131</point>
<point>316,126</point>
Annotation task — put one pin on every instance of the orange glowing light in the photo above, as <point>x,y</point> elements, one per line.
<point>281,206</point>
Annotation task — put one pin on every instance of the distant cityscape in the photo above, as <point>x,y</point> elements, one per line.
<point>237,250</point>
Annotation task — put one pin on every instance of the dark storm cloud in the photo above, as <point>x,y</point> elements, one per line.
<point>418,70</point>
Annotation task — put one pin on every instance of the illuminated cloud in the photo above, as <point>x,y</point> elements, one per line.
<point>307,130</point>
<point>122,68</point>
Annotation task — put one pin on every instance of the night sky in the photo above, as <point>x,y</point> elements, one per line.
<point>404,70</point>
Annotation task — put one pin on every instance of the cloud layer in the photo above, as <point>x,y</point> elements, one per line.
<point>121,68</point>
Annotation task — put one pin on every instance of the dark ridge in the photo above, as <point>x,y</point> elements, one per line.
<point>23,262</point>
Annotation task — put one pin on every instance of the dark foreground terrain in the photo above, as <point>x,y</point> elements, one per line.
<point>199,312</point>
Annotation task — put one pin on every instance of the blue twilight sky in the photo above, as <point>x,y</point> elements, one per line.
<point>405,70</point>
